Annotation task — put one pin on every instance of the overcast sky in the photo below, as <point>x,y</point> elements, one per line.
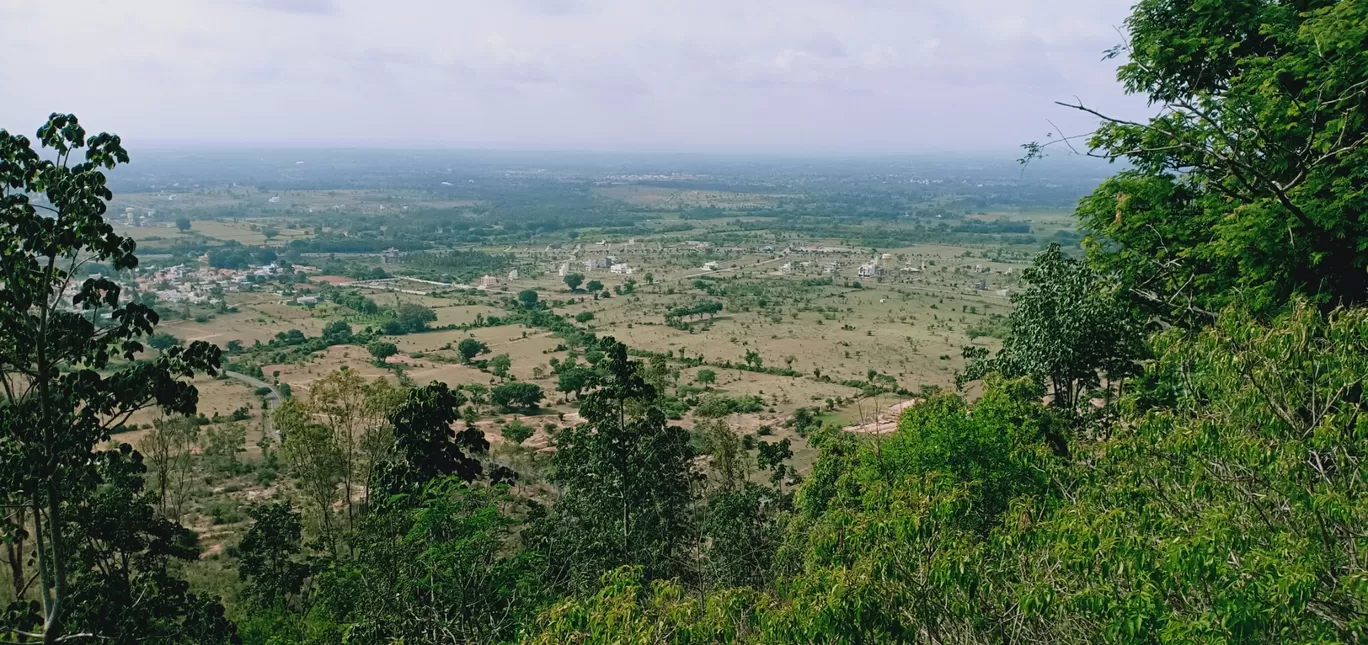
<point>844,76</point>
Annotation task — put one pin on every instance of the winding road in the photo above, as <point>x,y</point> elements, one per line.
<point>273,398</point>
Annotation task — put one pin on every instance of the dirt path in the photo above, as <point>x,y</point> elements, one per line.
<point>885,421</point>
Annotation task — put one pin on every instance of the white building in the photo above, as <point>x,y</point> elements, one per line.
<point>487,282</point>
<point>787,269</point>
<point>564,269</point>
<point>621,269</point>
<point>869,270</point>
<point>513,275</point>
<point>709,266</point>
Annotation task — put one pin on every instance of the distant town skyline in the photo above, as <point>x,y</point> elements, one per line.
<point>765,76</point>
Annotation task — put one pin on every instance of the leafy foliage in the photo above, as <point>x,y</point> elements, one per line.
<point>625,477</point>
<point>64,395</point>
<point>1068,329</point>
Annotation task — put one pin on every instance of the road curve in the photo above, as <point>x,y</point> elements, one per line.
<point>272,399</point>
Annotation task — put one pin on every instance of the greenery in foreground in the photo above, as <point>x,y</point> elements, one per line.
<point>1167,449</point>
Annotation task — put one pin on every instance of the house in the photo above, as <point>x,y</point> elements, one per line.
<point>564,269</point>
<point>832,268</point>
<point>487,282</point>
<point>709,266</point>
<point>621,269</point>
<point>887,256</point>
<point>787,269</point>
<point>869,270</point>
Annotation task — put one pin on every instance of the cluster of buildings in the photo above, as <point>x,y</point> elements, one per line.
<point>609,262</point>
<point>144,219</point>
<point>184,284</point>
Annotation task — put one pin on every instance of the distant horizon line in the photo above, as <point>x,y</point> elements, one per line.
<point>1003,154</point>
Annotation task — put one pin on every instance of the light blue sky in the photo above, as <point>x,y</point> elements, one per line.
<point>845,76</point>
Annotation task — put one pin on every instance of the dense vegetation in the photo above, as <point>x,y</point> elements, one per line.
<point>1168,448</point>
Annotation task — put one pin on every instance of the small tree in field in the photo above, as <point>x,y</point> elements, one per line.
<point>706,377</point>
<point>574,280</point>
<point>500,365</point>
<point>528,298</point>
<point>382,350</point>
<point>469,348</point>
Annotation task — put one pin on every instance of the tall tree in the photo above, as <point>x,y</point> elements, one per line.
<point>271,555</point>
<point>626,479</point>
<point>426,446</point>
<point>62,394</point>
<point>1069,327</point>
<point>356,412</point>
<point>168,449</point>
<point>314,459</point>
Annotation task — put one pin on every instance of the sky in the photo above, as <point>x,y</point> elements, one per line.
<point>803,76</point>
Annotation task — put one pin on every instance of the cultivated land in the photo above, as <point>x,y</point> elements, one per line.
<point>811,309</point>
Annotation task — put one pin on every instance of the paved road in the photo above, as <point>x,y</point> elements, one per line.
<point>273,399</point>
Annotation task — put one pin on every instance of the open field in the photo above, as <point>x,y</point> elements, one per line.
<point>661,197</point>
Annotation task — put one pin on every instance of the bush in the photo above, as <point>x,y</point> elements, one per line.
<point>517,432</point>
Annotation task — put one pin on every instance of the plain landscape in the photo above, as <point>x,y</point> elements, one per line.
<point>1104,387</point>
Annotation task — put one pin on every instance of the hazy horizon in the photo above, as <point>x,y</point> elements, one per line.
<point>802,77</point>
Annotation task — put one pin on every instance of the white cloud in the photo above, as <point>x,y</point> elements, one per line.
<point>885,75</point>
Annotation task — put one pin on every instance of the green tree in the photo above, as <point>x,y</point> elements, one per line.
<point>516,432</point>
<point>162,341</point>
<point>183,223</point>
<point>413,317</point>
<point>477,392</point>
<point>271,555</point>
<point>626,480</point>
<point>437,568</point>
<point>1236,188</point>
<point>315,462</point>
<point>574,280</point>
<point>516,395</point>
<point>528,298</point>
<point>594,286</point>
<point>65,395</point>
<point>574,380</point>
<point>1069,328</point>
<point>426,447</point>
<point>500,364</point>
<point>356,413</point>
<point>168,450</point>
<point>222,443</point>
<point>584,317</point>
<point>337,332</point>
<point>753,359</point>
<point>469,348</point>
<point>706,377</point>
<point>382,350</point>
